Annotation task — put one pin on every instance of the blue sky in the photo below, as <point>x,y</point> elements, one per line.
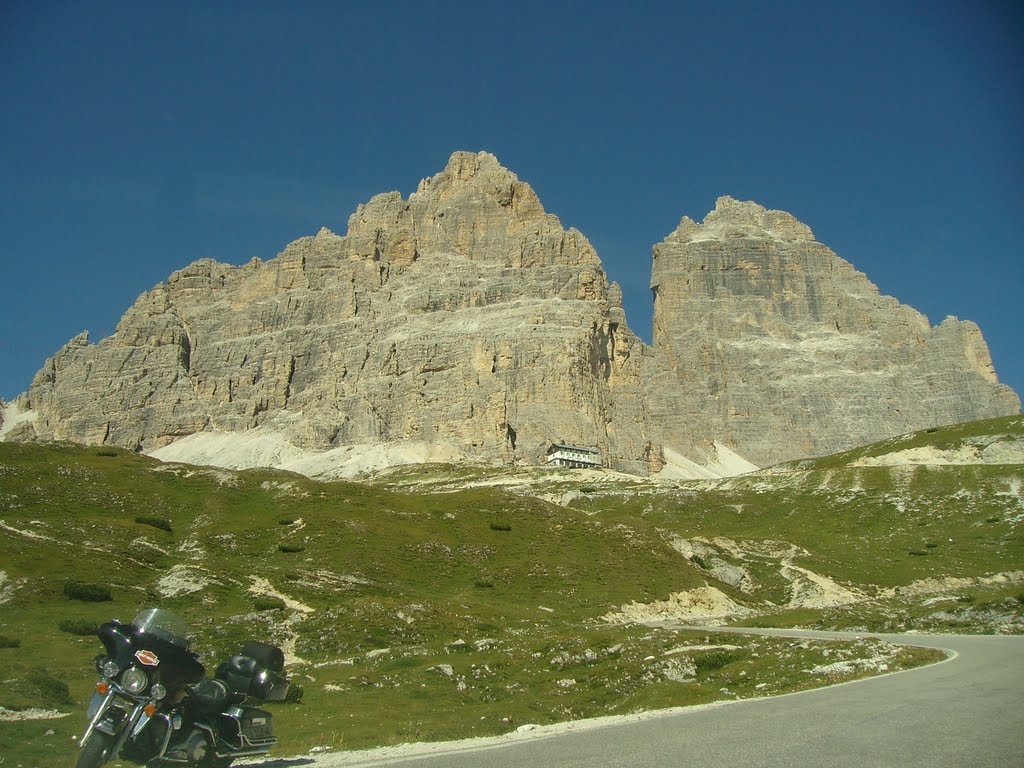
<point>139,137</point>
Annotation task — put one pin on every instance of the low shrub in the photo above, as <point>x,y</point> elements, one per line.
<point>155,522</point>
<point>268,603</point>
<point>709,661</point>
<point>501,527</point>
<point>9,642</point>
<point>108,452</point>
<point>294,694</point>
<point>484,585</point>
<point>88,592</point>
<point>285,520</point>
<point>51,690</point>
<point>918,552</point>
<point>290,547</point>
<point>82,627</point>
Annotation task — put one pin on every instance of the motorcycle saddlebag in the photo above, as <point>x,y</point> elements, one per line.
<point>243,727</point>
<point>277,689</point>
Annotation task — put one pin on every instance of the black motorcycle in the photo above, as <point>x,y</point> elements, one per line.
<point>154,705</point>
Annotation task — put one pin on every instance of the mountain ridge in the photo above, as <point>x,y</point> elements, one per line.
<point>465,320</point>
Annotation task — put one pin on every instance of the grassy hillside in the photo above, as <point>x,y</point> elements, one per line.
<point>437,603</point>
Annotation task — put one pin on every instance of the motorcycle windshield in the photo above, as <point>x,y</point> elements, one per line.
<point>163,624</point>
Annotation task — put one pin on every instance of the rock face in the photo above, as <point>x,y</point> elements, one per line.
<point>467,317</point>
<point>782,348</point>
<point>464,315</point>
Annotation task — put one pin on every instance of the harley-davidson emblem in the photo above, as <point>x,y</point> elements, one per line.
<point>148,658</point>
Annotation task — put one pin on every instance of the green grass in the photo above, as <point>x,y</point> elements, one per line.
<point>399,579</point>
<point>949,437</point>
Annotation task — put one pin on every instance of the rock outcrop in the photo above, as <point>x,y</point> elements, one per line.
<point>467,319</point>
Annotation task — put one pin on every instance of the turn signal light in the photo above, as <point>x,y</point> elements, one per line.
<point>102,688</point>
<point>149,709</point>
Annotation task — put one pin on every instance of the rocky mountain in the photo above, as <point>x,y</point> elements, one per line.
<point>465,322</point>
<point>783,348</point>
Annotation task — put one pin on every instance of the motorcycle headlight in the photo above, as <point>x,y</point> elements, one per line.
<point>134,680</point>
<point>110,669</point>
<point>158,692</point>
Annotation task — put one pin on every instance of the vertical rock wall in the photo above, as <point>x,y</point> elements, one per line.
<point>780,348</point>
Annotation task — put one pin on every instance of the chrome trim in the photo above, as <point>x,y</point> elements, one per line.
<point>101,709</point>
<point>167,733</point>
<point>143,719</point>
<point>94,705</point>
<point>129,729</point>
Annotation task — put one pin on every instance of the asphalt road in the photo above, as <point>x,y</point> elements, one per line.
<point>967,712</point>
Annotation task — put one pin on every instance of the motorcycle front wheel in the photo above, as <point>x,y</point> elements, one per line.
<point>96,751</point>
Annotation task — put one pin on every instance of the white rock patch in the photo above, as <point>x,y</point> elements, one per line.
<point>697,606</point>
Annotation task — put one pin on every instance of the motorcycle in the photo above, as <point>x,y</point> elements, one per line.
<point>154,705</point>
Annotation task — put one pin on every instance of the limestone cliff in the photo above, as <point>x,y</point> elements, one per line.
<point>467,318</point>
<point>464,315</point>
<point>781,349</point>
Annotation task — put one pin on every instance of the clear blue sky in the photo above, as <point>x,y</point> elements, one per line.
<point>139,137</point>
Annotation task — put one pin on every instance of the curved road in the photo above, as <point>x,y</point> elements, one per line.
<point>965,712</point>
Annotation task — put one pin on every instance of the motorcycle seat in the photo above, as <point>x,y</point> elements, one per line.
<point>211,696</point>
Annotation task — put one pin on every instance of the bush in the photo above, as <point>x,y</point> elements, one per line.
<point>268,603</point>
<point>709,661</point>
<point>108,452</point>
<point>501,527</point>
<point>155,522</point>
<point>918,552</point>
<point>9,642</point>
<point>285,520</point>
<point>88,592</point>
<point>290,547</point>
<point>82,627</point>
<point>51,690</point>
<point>484,585</point>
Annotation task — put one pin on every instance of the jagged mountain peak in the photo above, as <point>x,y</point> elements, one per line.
<point>733,218</point>
<point>464,321</point>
